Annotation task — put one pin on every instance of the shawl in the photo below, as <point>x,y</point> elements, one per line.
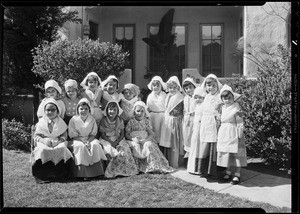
<point>156,103</point>
<point>93,96</point>
<point>111,128</point>
<point>59,127</point>
<point>157,78</point>
<point>128,105</point>
<point>172,101</point>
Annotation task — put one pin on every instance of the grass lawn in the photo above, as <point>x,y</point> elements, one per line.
<point>143,191</point>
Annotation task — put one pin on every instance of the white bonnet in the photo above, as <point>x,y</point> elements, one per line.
<point>53,84</point>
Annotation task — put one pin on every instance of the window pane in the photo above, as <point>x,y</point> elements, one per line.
<point>119,33</point>
<point>206,32</point>
<point>216,32</point>
<point>180,35</point>
<point>128,33</point>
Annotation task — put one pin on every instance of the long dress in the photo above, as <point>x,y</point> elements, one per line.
<point>208,135</point>
<point>231,146</point>
<point>51,164</point>
<point>189,105</point>
<point>95,101</point>
<point>156,107</point>
<point>172,130</point>
<point>147,153</point>
<point>87,161</point>
<point>193,166</point>
<point>122,162</point>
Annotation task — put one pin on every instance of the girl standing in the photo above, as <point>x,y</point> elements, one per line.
<point>131,96</point>
<point>189,105</point>
<point>231,146</point>
<point>88,152</point>
<point>121,161</point>
<point>110,87</point>
<point>140,136</point>
<point>51,159</point>
<point>71,99</point>
<point>193,166</point>
<point>93,92</point>
<point>52,90</point>
<point>208,126</point>
<point>171,139</point>
<point>156,105</point>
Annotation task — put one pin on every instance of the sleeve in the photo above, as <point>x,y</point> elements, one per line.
<point>94,128</point>
<point>240,123</point>
<point>149,127</point>
<point>63,109</point>
<point>37,136</point>
<point>128,127</point>
<point>72,129</point>
<point>40,111</point>
<point>122,126</point>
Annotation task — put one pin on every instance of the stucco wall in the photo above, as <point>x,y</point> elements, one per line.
<point>265,31</point>
<point>193,16</point>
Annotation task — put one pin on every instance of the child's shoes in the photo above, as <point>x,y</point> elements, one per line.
<point>236,179</point>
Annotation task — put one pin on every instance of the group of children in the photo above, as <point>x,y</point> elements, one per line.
<point>117,134</point>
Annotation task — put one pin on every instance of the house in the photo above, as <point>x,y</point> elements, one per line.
<point>206,36</point>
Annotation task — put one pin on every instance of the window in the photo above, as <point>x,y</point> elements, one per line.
<point>176,59</point>
<point>211,48</point>
<point>93,30</point>
<point>124,36</point>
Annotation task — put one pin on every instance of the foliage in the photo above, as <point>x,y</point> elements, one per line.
<point>267,106</point>
<point>163,41</point>
<point>25,28</point>
<point>62,60</point>
<point>15,135</point>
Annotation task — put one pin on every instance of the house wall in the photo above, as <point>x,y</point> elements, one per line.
<point>141,16</point>
<point>265,30</point>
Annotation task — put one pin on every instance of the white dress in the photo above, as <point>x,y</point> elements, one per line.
<point>156,107</point>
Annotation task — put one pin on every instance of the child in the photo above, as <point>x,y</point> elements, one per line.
<point>53,90</point>
<point>156,105</point>
<point>52,160</point>
<point>131,93</point>
<point>193,165</point>
<point>208,127</point>
<point>189,105</point>
<point>140,136</point>
<point>172,128</point>
<point>116,148</point>
<point>110,87</point>
<point>71,99</point>
<point>93,92</point>
<point>87,150</point>
<point>230,146</point>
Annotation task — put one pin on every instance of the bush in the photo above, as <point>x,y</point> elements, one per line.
<point>266,103</point>
<point>15,135</point>
<point>61,60</point>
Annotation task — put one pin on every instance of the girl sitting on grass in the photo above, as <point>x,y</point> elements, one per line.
<point>51,159</point>
<point>121,161</point>
<point>139,134</point>
<point>88,152</point>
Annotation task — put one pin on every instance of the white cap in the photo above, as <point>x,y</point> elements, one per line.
<point>53,84</point>
<point>70,83</point>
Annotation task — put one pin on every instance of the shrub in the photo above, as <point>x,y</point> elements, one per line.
<point>15,135</point>
<point>66,59</point>
<point>266,103</point>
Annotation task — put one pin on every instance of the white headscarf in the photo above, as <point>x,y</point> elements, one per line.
<point>83,83</point>
<point>84,100</point>
<point>228,88</point>
<point>200,92</point>
<point>109,78</point>
<point>120,111</point>
<point>70,83</point>
<point>157,78</point>
<point>53,84</point>
<point>133,88</point>
<point>176,80</point>
<point>214,77</point>
<point>141,103</point>
<point>53,101</point>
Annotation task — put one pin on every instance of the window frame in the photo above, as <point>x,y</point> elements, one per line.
<point>133,48</point>
<point>185,48</point>
<point>222,47</point>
